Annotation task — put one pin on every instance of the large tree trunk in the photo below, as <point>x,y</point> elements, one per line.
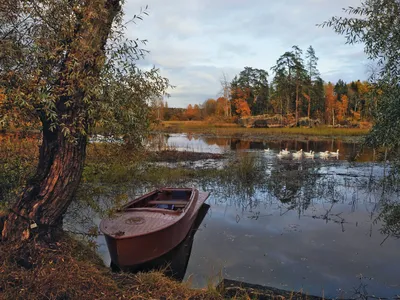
<point>40,209</point>
<point>48,194</point>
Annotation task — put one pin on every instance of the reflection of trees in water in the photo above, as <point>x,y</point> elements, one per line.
<point>239,182</point>
<point>222,142</point>
<point>237,144</point>
<point>157,141</point>
<point>351,150</point>
<point>390,211</point>
<point>390,217</point>
<point>289,182</point>
<point>252,183</point>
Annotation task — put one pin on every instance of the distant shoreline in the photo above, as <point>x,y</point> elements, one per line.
<point>229,130</point>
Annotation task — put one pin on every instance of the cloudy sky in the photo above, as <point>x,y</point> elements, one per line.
<point>194,42</point>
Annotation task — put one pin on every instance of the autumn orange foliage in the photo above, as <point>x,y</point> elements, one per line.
<point>193,112</point>
<point>341,107</point>
<point>222,107</point>
<point>330,104</point>
<point>2,95</point>
<point>241,106</point>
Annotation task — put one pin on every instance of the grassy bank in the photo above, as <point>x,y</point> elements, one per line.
<point>234,130</point>
<point>69,269</point>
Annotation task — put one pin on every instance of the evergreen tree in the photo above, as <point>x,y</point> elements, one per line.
<point>313,76</point>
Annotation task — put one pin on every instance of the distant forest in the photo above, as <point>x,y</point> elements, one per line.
<point>296,91</point>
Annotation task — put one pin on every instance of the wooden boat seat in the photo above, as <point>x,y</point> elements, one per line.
<point>177,202</point>
<point>168,202</point>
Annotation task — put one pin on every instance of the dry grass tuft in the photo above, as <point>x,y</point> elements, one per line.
<point>71,270</point>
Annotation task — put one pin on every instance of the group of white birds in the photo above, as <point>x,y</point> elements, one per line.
<point>300,154</point>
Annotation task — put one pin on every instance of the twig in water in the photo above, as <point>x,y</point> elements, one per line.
<point>385,239</point>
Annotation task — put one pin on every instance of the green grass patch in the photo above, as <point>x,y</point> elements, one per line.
<point>227,129</point>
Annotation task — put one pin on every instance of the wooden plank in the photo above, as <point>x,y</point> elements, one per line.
<point>168,202</point>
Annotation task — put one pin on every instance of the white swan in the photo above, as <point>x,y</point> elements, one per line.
<point>298,154</point>
<point>324,154</point>
<point>334,153</point>
<point>309,154</point>
<point>285,152</point>
<point>267,150</point>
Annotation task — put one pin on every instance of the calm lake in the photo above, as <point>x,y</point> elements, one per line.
<point>307,224</point>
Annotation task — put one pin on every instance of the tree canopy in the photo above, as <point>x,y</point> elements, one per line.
<point>254,83</point>
<point>376,24</point>
<point>39,40</point>
<point>67,65</point>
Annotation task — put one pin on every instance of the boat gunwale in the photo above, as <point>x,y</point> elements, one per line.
<point>194,196</point>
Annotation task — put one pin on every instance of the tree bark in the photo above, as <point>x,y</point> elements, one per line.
<point>333,117</point>
<point>40,209</point>
<point>48,194</point>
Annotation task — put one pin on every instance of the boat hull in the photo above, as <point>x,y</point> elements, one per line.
<point>131,251</point>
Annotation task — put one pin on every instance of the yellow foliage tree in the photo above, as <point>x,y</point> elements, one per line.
<point>241,106</point>
<point>341,108</point>
<point>222,107</point>
<point>330,103</point>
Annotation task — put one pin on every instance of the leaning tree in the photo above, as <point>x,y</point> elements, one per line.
<point>67,64</point>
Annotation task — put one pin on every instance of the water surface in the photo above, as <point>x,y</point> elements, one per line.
<point>203,143</point>
<point>305,224</point>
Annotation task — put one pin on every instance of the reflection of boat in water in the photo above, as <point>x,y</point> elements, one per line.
<point>151,225</point>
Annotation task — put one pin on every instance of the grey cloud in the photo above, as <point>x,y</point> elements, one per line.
<point>235,49</point>
<point>193,41</point>
<point>195,84</point>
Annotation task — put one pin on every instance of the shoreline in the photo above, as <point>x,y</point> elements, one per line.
<point>265,136</point>
<point>228,130</point>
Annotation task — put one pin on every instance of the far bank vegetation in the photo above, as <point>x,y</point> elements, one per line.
<point>296,95</point>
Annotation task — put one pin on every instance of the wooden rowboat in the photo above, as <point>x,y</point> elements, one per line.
<point>151,225</point>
